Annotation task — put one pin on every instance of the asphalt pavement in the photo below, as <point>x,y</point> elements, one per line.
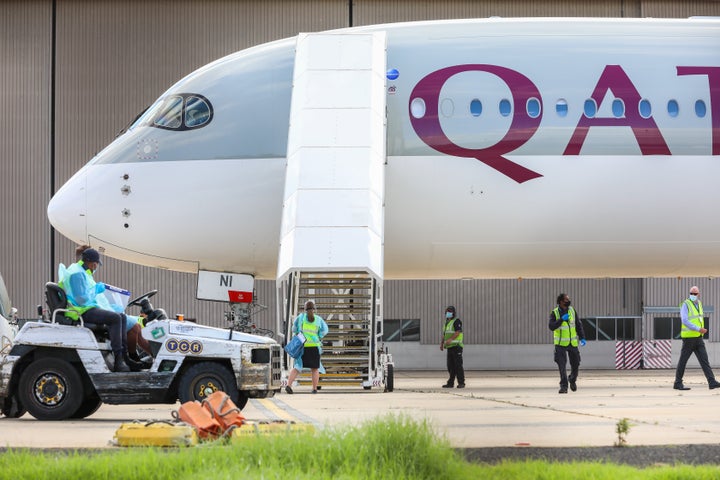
<point>497,409</point>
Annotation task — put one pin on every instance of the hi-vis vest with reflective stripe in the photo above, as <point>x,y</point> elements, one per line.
<point>450,331</point>
<point>695,315</point>
<point>310,330</point>
<point>64,283</point>
<point>565,334</point>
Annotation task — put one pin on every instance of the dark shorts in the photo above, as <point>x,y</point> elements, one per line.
<point>311,357</point>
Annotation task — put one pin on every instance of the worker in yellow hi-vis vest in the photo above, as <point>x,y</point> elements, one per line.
<point>568,333</point>
<point>691,332</point>
<point>452,341</point>
<point>313,328</point>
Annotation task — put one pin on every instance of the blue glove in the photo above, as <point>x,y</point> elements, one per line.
<point>583,342</point>
<point>99,287</point>
<point>565,317</point>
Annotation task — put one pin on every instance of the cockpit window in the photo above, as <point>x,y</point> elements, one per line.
<point>197,112</point>
<point>183,111</point>
<point>170,113</point>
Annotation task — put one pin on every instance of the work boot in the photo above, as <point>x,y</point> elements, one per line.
<point>714,385</point>
<point>132,364</point>
<point>563,390</point>
<point>120,365</point>
<point>573,386</point>
<point>142,363</point>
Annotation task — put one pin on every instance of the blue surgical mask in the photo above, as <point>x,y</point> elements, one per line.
<point>693,297</point>
<point>448,314</point>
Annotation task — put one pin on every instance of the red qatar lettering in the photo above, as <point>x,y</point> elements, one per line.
<point>713,74</point>
<point>521,129</point>
<point>646,131</point>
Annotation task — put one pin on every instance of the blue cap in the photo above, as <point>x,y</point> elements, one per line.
<point>91,255</point>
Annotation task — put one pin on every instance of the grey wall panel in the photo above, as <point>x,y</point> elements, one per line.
<point>25,74</point>
<point>368,12</point>
<point>506,311</point>
<point>670,292</point>
<point>675,9</point>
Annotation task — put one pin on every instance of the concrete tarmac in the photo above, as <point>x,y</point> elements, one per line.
<point>496,409</point>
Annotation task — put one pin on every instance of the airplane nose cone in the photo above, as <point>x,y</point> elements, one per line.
<point>68,208</point>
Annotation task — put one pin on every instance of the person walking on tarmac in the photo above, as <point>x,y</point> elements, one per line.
<point>691,332</point>
<point>82,290</point>
<point>314,328</point>
<point>567,332</point>
<point>453,343</point>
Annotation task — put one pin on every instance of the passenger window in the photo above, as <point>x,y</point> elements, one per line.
<point>417,108</point>
<point>673,108</point>
<point>700,109</point>
<point>618,108</point>
<point>590,108</point>
<point>475,108</point>
<point>561,107</point>
<point>533,107</point>
<point>645,108</point>
<point>447,108</point>
<point>197,112</point>
<point>170,113</point>
<point>505,107</point>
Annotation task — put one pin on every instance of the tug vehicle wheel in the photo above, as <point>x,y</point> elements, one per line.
<point>51,389</point>
<point>12,408</point>
<point>88,406</point>
<point>390,379</point>
<point>205,378</point>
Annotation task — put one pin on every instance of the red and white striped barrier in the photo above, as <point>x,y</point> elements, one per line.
<point>631,354</point>
<point>657,353</point>
<point>628,355</point>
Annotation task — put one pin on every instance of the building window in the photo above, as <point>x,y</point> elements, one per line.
<point>401,330</point>
<point>669,328</point>
<point>609,328</point>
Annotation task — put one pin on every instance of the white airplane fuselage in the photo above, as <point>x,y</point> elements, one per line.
<point>497,166</point>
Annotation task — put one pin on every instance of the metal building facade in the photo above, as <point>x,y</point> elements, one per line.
<point>74,73</point>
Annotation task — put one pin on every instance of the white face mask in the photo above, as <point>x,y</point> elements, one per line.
<point>693,297</point>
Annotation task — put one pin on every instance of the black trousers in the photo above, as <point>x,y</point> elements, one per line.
<point>116,325</point>
<point>455,365</point>
<point>561,356</point>
<point>697,346</point>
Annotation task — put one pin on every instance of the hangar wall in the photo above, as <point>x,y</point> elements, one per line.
<point>73,73</point>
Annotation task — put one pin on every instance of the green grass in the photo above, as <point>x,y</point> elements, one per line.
<point>388,448</point>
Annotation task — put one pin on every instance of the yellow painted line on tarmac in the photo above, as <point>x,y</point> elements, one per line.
<point>275,409</point>
<point>270,405</point>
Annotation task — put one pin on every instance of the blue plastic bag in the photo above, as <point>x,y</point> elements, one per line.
<point>295,346</point>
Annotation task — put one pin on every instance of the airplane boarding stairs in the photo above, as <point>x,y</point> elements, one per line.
<point>350,303</point>
<point>331,236</point>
